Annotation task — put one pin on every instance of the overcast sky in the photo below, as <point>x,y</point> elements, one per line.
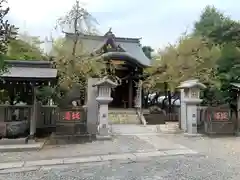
<point>157,22</point>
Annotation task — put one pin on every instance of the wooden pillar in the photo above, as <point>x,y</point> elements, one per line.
<point>238,114</point>
<point>33,114</point>
<point>130,93</point>
<point>143,100</point>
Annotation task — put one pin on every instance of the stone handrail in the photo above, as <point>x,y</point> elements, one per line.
<point>141,117</point>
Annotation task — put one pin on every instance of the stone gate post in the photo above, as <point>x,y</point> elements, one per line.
<point>92,106</point>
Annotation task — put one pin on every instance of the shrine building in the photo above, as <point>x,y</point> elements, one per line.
<point>129,59</point>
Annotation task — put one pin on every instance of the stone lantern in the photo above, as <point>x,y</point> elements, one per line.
<point>190,98</point>
<point>104,87</point>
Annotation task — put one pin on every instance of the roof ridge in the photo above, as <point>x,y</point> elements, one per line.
<point>101,37</point>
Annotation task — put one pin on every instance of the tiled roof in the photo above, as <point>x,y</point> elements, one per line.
<point>29,69</point>
<point>28,72</point>
<point>131,46</point>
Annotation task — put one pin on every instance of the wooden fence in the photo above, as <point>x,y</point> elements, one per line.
<point>48,117</point>
<point>10,113</point>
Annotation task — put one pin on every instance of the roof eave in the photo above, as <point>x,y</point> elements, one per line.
<point>127,55</point>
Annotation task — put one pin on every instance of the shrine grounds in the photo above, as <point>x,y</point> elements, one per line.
<point>140,155</point>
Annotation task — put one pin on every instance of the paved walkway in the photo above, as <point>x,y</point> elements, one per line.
<point>126,157</point>
<point>138,139</point>
<point>132,129</point>
<point>226,148</point>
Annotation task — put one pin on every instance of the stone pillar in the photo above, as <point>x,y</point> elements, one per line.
<point>92,106</point>
<point>192,119</point>
<point>183,112</point>
<point>103,128</point>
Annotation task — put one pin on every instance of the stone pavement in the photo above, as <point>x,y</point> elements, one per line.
<point>136,152</point>
<point>226,148</point>
<point>168,128</point>
<point>156,168</point>
<point>139,139</point>
<point>126,157</point>
<point>132,129</point>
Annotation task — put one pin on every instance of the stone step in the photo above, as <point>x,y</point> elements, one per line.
<point>165,128</point>
<point>120,118</point>
<point>122,111</point>
<point>21,147</point>
<point>6,141</point>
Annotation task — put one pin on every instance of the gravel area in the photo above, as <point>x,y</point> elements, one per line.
<point>167,168</point>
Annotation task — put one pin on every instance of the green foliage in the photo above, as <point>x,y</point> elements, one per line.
<point>25,48</point>
<point>45,93</point>
<point>75,65</point>
<point>211,20</point>
<point>189,58</point>
<point>148,51</point>
<point>84,67</point>
<point>220,29</point>
<point>7,33</point>
<point>211,53</point>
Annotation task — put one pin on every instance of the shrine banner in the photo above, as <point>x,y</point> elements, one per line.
<point>71,115</point>
<point>220,116</point>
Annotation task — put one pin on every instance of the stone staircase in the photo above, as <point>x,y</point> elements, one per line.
<point>123,116</point>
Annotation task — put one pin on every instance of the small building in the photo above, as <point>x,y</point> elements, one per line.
<point>20,110</point>
<point>127,56</point>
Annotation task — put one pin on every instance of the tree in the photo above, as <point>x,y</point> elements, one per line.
<point>220,29</point>
<point>190,58</point>
<point>25,47</point>
<point>148,51</point>
<point>7,32</point>
<point>74,65</point>
<point>216,26</point>
<point>211,20</point>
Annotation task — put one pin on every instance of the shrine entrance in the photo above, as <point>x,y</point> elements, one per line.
<point>123,95</point>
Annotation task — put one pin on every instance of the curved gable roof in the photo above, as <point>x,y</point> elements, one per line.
<point>131,46</point>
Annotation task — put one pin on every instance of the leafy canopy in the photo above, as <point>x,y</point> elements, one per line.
<point>7,33</point>
<point>25,47</point>
<point>190,58</point>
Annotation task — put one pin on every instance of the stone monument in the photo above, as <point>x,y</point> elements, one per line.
<point>190,98</point>
<point>104,87</point>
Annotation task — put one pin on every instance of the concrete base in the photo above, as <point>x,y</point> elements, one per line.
<point>70,139</point>
<point>17,141</point>
<point>21,147</point>
<point>103,138</point>
<point>193,135</point>
<point>6,141</point>
<point>165,129</point>
<point>237,133</point>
